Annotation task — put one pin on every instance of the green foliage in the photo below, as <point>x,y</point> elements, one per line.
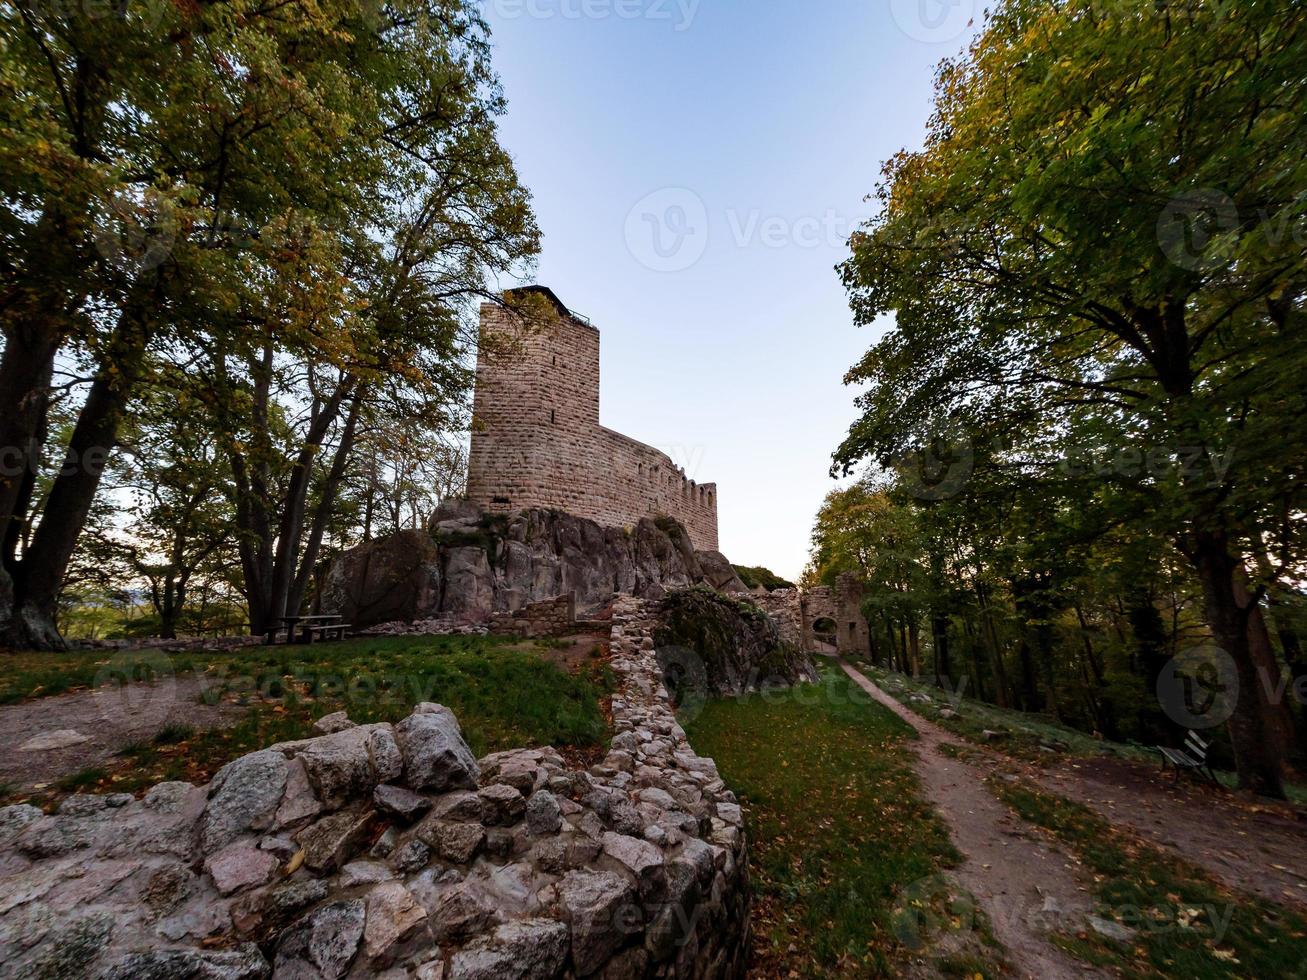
<point>733,643</point>
<point>1095,272</point>
<point>669,526</point>
<point>289,255</point>
<point>838,829</point>
<point>755,576</point>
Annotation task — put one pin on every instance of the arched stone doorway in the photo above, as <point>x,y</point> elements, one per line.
<point>826,630</point>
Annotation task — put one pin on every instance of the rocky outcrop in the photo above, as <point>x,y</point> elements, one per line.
<point>712,644</point>
<point>389,851</point>
<point>469,565</point>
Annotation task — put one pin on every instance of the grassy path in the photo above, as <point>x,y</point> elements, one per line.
<point>1159,914</point>
<point>847,857</point>
<point>1028,887</point>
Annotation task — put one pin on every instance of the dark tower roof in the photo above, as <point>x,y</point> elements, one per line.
<point>550,295</point>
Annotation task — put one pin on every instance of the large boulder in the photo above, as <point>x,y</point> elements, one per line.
<point>469,581</point>
<point>723,645</point>
<point>720,574</point>
<point>244,796</point>
<point>468,565</point>
<point>391,579</point>
<point>435,755</point>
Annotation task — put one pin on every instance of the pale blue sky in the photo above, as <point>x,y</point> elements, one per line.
<point>758,128</point>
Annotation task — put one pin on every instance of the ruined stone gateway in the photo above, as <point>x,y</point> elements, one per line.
<point>537,441</point>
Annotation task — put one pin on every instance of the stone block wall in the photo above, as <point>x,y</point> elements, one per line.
<point>537,441</point>
<point>796,612</point>
<point>549,617</point>
<point>389,851</point>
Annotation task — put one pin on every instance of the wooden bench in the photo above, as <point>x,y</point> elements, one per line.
<point>325,631</point>
<point>1192,757</point>
<point>309,628</point>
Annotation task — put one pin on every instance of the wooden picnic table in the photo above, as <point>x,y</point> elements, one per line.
<point>322,623</point>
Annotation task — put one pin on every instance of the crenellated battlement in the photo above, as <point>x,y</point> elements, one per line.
<point>537,441</point>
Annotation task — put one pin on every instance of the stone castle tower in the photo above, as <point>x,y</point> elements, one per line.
<point>537,441</point>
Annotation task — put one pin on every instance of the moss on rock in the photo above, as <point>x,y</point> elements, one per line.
<point>723,644</point>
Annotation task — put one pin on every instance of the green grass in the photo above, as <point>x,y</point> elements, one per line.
<point>503,697</point>
<point>83,779</point>
<point>506,694</point>
<point>1179,911</point>
<point>140,750</point>
<point>845,855</point>
<point>1025,733</point>
<point>41,675</point>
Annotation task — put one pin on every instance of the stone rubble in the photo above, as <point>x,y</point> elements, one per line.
<point>443,626</point>
<point>390,852</point>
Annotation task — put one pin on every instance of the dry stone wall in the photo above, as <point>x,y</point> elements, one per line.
<point>388,851</point>
<point>796,613</point>
<point>537,441</point>
<point>550,617</point>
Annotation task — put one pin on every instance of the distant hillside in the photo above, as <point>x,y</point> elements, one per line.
<point>754,577</point>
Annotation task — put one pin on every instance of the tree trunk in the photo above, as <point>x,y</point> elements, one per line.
<point>1290,644</point>
<point>290,531</point>
<point>1104,710</point>
<point>26,371</point>
<point>169,610</point>
<point>326,504</point>
<point>939,639</point>
<point>1001,684</point>
<point>1259,764</point>
<point>977,661</point>
<point>1275,711</point>
<point>1151,655</point>
<point>250,481</point>
<point>914,646</point>
<point>41,572</point>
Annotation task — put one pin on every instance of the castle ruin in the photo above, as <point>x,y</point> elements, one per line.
<point>537,441</point>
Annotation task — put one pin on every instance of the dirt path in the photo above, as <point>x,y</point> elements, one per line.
<point>86,728</point>
<point>1258,848</point>
<point>1024,885</point>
